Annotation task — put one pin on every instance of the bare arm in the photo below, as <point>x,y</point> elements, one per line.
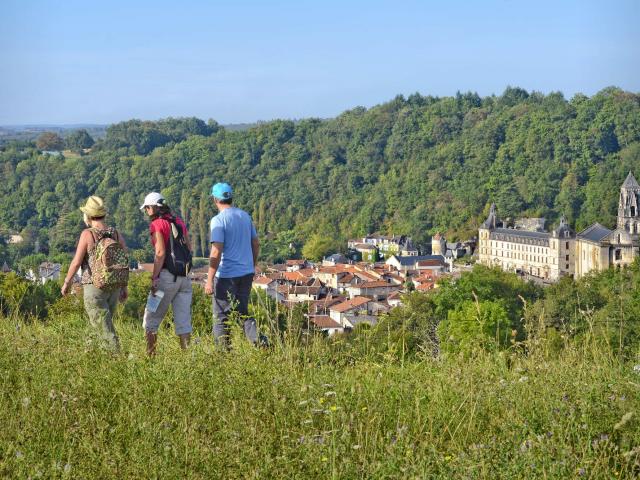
<point>81,252</point>
<point>255,248</point>
<point>122,242</point>
<point>160,253</point>
<point>214,262</point>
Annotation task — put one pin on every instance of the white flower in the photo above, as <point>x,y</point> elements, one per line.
<point>26,401</point>
<point>636,368</point>
<point>67,468</point>
<point>523,379</point>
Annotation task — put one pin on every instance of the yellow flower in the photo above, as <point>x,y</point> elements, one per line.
<point>333,408</point>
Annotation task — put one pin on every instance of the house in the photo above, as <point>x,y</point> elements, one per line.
<point>325,324</point>
<point>436,266</point>
<point>335,259</point>
<point>15,239</point>
<point>354,306</point>
<point>269,286</point>
<point>377,290</point>
<point>49,271</point>
<point>394,299</point>
<point>5,268</point>
<point>387,245</point>
<point>405,263</point>
<point>321,306</point>
<point>367,252</point>
<point>303,293</point>
<point>295,265</point>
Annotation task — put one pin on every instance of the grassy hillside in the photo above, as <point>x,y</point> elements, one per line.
<point>71,411</point>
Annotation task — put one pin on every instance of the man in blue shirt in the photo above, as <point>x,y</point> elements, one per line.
<point>234,252</point>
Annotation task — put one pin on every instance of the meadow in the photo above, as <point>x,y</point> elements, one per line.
<point>309,409</point>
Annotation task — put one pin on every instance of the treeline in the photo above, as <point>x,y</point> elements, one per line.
<point>412,166</point>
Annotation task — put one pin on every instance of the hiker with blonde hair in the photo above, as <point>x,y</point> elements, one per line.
<point>102,254</point>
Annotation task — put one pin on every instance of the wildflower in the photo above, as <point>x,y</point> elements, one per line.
<point>636,368</point>
<point>26,401</point>
<point>330,394</point>
<point>364,409</point>
<point>307,422</point>
<point>327,385</point>
<point>333,408</point>
<point>581,472</point>
<point>131,357</point>
<point>52,395</point>
<point>356,447</point>
<point>67,468</point>
<point>301,439</point>
<point>448,458</point>
<point>324,459</point>
<point>19,455</point>
<point>523,379</point>
<point>503,382</point>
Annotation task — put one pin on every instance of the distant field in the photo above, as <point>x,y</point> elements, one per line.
<point>70,411</point>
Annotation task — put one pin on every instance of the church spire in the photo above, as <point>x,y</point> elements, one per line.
<point>629,205</point>
<point>630,183</point>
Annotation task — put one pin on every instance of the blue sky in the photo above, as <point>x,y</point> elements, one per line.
<point>70,62</point>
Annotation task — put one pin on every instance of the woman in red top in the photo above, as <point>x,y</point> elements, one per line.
<point>176,289</point>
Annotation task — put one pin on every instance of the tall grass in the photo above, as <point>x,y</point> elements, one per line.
<point>298,410</point>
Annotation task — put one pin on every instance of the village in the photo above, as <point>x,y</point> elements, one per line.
<point>343,290</point>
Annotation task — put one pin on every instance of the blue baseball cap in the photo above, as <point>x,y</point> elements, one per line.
<point>222,191</point>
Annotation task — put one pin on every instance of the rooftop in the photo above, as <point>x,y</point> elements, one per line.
<point>350,304</point>
<point>594,233</point>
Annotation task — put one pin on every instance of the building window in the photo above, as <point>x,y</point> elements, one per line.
<point>566,258</point>
<point>566,245</point>
<point>618,254</point>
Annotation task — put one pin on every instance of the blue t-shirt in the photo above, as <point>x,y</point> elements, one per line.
<point>233,227</point>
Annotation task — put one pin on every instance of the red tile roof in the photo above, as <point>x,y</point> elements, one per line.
<point>263,280</point>
<point>295,262</point>
<point>350,304</point>
<point>375,284</point>
<point>324,321</point>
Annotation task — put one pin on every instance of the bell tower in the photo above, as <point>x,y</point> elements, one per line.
<point>628,206</point>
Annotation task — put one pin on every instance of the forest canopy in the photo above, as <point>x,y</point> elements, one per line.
<point>412,166</point>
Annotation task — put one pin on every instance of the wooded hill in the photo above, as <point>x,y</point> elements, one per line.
<point>411,166</point>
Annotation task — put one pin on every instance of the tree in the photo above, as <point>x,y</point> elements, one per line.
<point>319,246</point>
<point>475,324</point>
<point>50,141</point>
<point>78,140</point>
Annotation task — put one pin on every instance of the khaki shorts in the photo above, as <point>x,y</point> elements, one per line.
<point>177,294</point>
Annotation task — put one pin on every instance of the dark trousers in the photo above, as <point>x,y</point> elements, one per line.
<point>231,294</point>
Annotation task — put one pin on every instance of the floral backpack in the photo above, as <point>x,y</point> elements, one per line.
<point>108,261</point>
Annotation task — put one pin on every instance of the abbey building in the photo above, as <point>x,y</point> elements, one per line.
<point>528,248</point>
